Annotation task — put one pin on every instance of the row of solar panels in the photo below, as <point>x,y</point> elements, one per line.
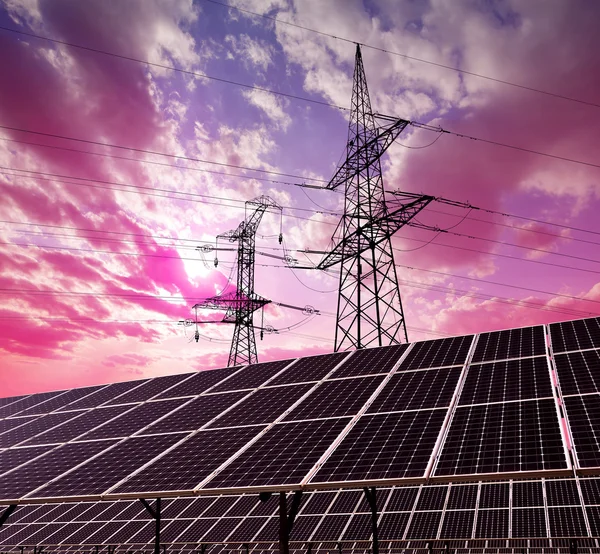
<point>274,424</point>
<point>554,508</point>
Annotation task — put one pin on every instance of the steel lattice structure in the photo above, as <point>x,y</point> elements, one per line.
<point>369,310</point>
<point>241,304</point>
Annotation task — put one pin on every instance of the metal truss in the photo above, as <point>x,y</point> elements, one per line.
<point>369,310</point>
<point>241,304</point>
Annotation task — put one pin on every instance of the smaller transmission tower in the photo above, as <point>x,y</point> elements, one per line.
<point>241,304</point>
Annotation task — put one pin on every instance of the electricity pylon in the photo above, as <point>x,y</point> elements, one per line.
<point>241,304</point>
<point>369,310</point>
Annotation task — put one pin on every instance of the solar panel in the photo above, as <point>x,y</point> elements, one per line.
<point>578,372</point>
<point>304,527</point>
<point>248,529</point>
<point>438,353</point>
<point>345,502</point>
<point>392,526</point>
<point>185,466</point>
<point>424,525</point>
<point>432,498</point>
<point>562,493</point>
<point>150,389</point>
<point>462,497</point>
<point>110,468</point>
<point>78,425</point>
<point>590,489</point>
<point>264,406</point>
<point>330,528</point>
<point>494,495</point>
<point>252,376</point>
<point>593,515</point>
<point>508,437</point>
<point>358,528</point>
<point>527,494</point>
<point>506,381</point>
<point>283,455</point>
<point>4,401</point>
<point>133,420</point>
<point>199,383</point>
<point>14,408</point>
<point>575,335</point>
<point>415,390</point>
<point>402,499</point>
<point>512,343</point>
<point>567,522</point>
<point>458,524</point>
<point>371,361</point>
<point>10,459</point>
<point>336,398</point>
<point>34,427</point>
<point>61,401</point>
<point>12,423</point>
<point>318,502</point>
<point>311,368</point>
<point>492,524</point>
<point>583,413</point>
<point>32,475</point>
<point>103,395</point>
<point>529,522</point>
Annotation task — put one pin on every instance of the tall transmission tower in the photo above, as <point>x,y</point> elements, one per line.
<point>369,310</point>
<point>241,304</point>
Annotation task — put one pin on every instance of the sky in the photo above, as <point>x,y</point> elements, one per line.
<point>99,256</point>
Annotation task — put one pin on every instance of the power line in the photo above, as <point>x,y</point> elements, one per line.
<point>412,58</point>
<point>172,68</point>
<point>155,153</point>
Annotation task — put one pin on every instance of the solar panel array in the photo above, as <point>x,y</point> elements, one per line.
<point>503,510</point>
<point>520,403</point>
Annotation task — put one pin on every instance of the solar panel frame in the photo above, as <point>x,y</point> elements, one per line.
<point>580,334</point>
<point>446,352</point>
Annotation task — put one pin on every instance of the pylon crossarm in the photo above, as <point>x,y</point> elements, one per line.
<point>355,161</point>
<point>376,231</point>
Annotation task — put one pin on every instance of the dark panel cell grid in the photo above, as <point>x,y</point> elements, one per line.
<point>330,528</point>
<point>512,343</point>
<point>134,420</point>
<point>10,459</point>
<point>528,522</point>
<point>198,507</point>
<point>197,413</point>
<point>101,473</point>
<point>283,455</point>
<point>504,381</point>
<point>438,353</point>
<point>359,528</point>
<point>220,507</point>
<point>304,527</point>
<point>371,361</point>
<point>248,529</point>
<point>384,446</point>
<point>252,376</point>
<point>244,506</point>
<point>562,493</point>
<point>77,426</point>
<point>222,529</point>
<point>415,390</point>
<point>492,524</point>
<point>151,388</point>
<point>40,471</point>
<point>381,496</point>
<point>103,395</point>
<point>34,427</point>
<point>567,522</point>
<point>82,534</point>
<point>318,502</point>
<point>11,399</point>
<point>27,402</point>
<point>392,526</point>
<point>270,532</point>
<point>131,529</point>
<point>264,406</point>
<point>313,368</point>
<point>432,498</point>
<point>336,398</point>
<point>402,499</point>
<point>191,462</point>
<point>9,424</point>
<point>345,502</point>
<point>575,335</point>
<point>578,372</point>
<point>173,528</point>
<point>458,525</point>
<point>583,414</point>
<point>518,436</point>
<point>527,494</point>
<point>590,488</point>
<point>494,495</point>
<point>462,497</point>
<point>199,382</point>
<point>62,401</point>
<point>43,535</point>
<point>424,525</point>
<point>593,514</point>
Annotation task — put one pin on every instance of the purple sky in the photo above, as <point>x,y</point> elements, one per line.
<point>129,254</point>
